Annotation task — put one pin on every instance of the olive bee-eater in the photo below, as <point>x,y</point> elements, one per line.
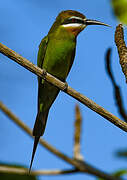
<point>56,55</point>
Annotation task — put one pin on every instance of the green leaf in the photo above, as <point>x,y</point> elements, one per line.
<point>120,10</point>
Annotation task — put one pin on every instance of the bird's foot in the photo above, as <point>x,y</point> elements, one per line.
<point>65,86</point>
<point>44,74</point>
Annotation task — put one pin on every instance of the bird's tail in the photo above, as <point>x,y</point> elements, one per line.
<point>40,123</point>
<point>38,130</point>
<point>36,140</point>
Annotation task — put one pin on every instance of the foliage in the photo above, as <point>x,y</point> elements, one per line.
<point>120,10</point>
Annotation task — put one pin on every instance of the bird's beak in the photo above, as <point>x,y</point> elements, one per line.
<point>94,22</point>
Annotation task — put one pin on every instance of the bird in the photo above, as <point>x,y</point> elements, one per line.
<point>56,55</point>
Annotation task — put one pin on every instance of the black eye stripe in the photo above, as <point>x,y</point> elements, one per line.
<point>73,20</point>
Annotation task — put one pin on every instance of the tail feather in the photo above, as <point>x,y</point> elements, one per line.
<point>36,140</point>
<point>40,123</point>
<point>38,130</point>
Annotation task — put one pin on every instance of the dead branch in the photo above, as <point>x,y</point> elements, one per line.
<point>22,171</point>
<point>79,165</point>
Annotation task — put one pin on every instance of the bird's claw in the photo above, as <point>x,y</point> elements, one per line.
<point>65,86</point>
<point>44,73</point>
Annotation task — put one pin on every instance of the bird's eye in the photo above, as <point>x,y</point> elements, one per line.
<point>73,20</point>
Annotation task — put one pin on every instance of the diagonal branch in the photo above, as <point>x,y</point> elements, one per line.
<point>51,79</point>
<point>79,165</point>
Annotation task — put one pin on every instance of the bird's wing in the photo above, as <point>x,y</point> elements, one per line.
<point>41,54</point>
<point>42,51</point>
<point>40,60</point>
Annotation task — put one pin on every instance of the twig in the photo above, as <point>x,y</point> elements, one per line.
<point>117,90</point>
<point>48,77</point>
<point>108,65</point>
<point>80,165</point>
<point>77,135</point>
<point>21,171</point>
<point>122,49</point>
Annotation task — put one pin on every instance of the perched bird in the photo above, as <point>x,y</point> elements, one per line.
<point>56,55</point>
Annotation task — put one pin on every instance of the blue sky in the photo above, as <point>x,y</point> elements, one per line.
<point>22,26</point>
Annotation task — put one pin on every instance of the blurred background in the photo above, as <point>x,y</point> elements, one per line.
<point>22,26</point>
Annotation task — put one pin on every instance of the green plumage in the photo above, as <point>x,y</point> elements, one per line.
<point>56,55</point>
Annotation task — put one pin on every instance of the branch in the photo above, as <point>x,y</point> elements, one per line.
<point>22,171</point>
<point>122,49</point>
<point>77,135</point>
<point>51,79</point>
<point>79,165</point>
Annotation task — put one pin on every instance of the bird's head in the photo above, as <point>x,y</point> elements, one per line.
<point>73,21</point>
